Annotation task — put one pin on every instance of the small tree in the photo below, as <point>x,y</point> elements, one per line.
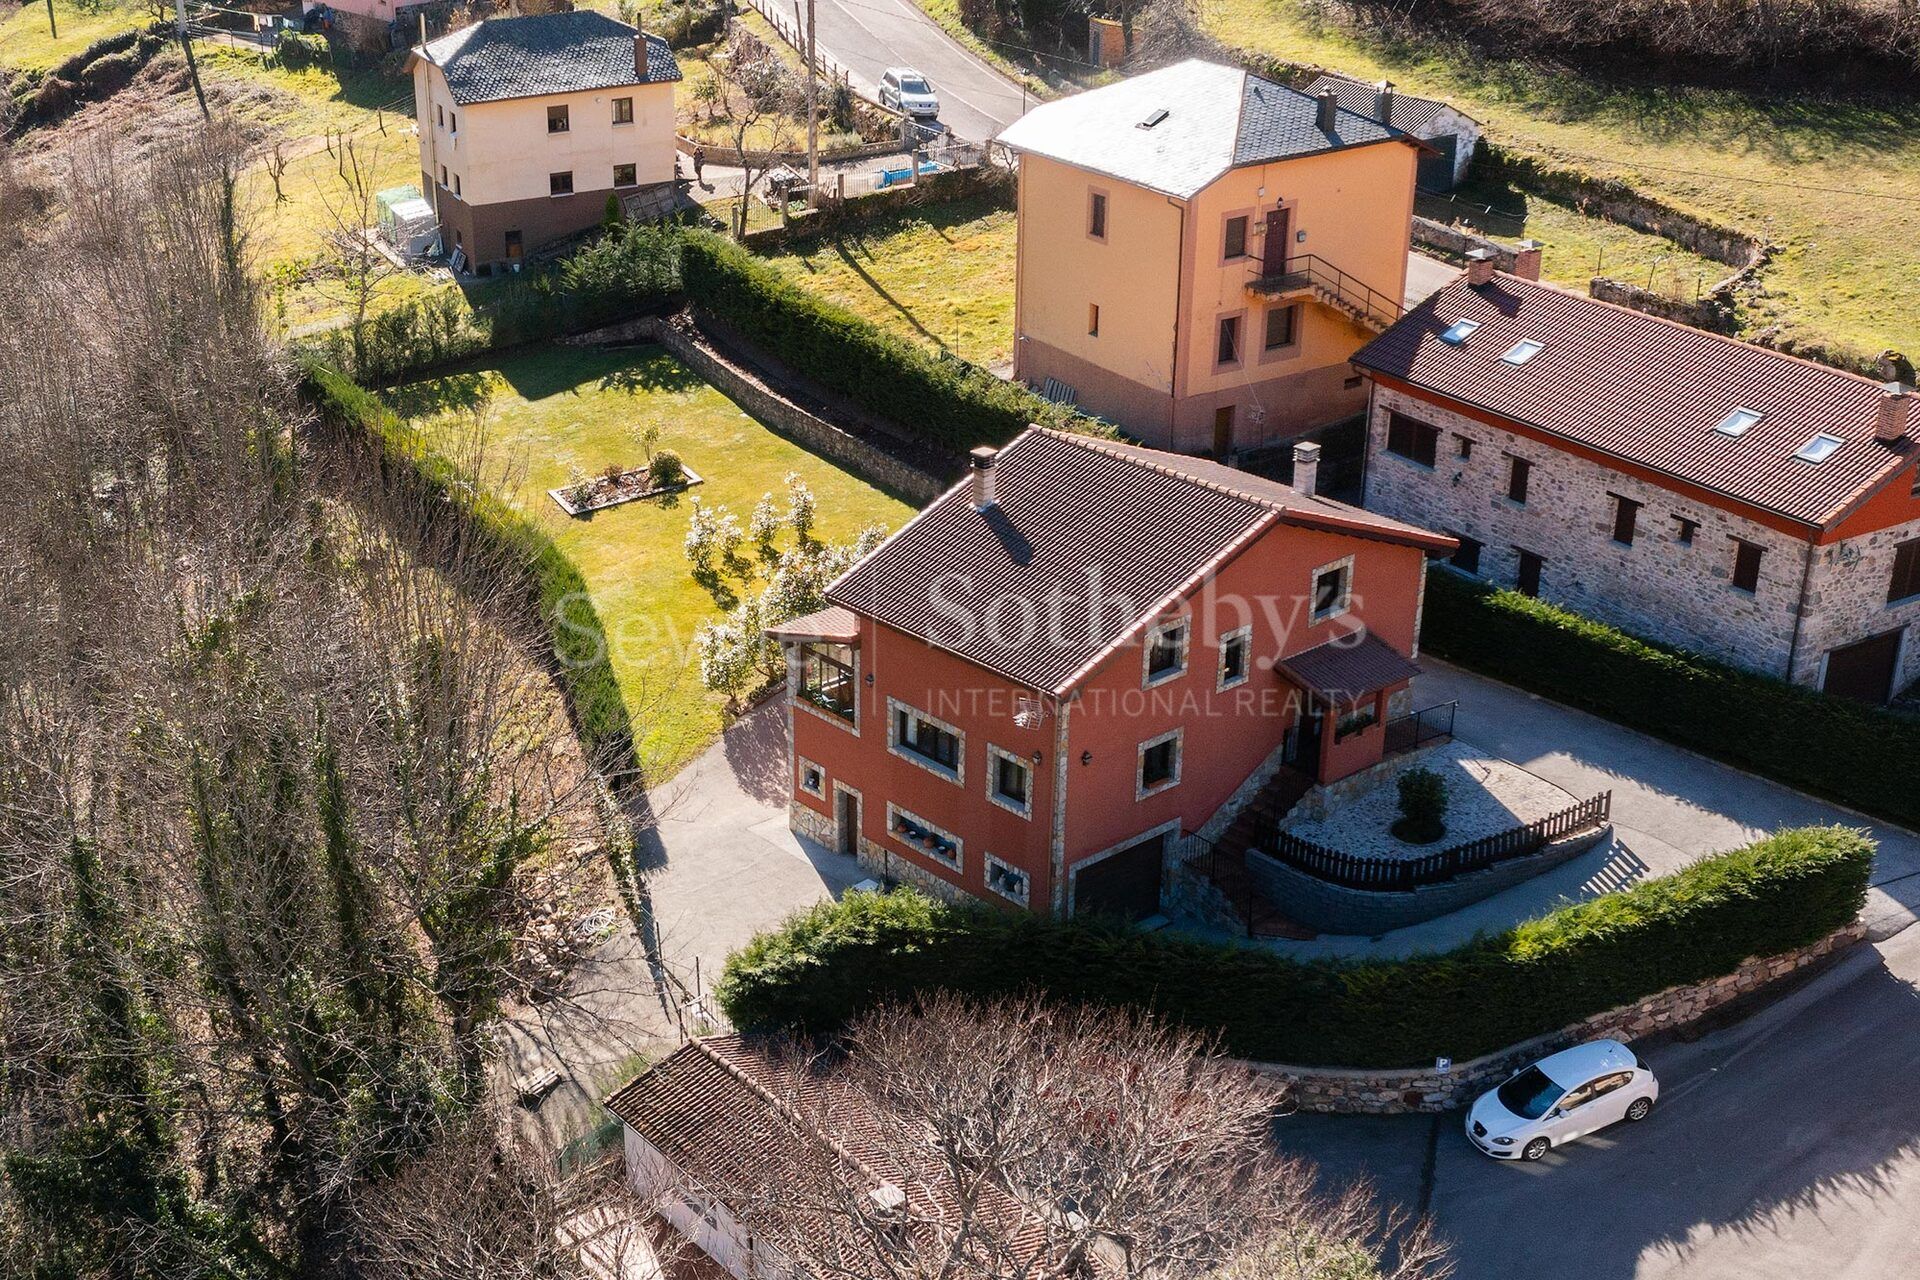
<point>700,543</point>
<point>665,469</point>
<point>1423,807</point>
<point>764,525</point>
<point>801,507</point>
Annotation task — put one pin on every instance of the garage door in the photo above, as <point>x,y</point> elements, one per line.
<point>1865,670</point>
<point>1436,172</point>
<point>1126,883</point>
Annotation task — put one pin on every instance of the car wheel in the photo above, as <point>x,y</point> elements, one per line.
<point>1640,1108</point>
<point>1535,1149</point>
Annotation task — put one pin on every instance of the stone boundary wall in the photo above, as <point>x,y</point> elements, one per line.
<point>1456,243</point>
<point>935,188</point>
<point>1336,909</point>
<point>1335,1090</point>
<point>686,344</point>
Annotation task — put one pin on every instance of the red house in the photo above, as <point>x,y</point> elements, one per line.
<point>1085,650</point>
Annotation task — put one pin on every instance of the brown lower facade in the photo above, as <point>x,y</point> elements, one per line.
<point>1276,403</point>
<point>497,235</point>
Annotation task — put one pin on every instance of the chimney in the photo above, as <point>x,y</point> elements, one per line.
<point>639,50</point>
<point>1383,102</point>
<point>1306,467</point>
<point>983,491</point>
<point>1896,400</point>
<point>1526,260</point>
<point>1480,267</point>
<point>1324,113</point>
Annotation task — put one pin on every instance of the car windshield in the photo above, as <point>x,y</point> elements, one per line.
<point>1530,1094</point>
<point>913,84</point>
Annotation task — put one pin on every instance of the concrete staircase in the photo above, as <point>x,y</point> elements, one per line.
<point>1224,863</point>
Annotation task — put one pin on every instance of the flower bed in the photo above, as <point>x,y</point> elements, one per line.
<point>630,485</point>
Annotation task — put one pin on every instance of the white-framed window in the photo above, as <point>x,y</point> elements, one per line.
<point>1009,881</point>
<point>933,744</point>
<point>1159,764</point>
<point>914,832</point>
<point>1009,781</point>
<point>810,777</point>
<point>1166,652</point>
<point>1332,589</point>
<point>1236,657</point>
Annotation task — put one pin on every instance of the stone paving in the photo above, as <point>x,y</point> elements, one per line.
<point>1486,795</point>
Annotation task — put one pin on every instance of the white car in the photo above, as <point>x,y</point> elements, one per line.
<point>908,92</point>
<point>1573,1093</point>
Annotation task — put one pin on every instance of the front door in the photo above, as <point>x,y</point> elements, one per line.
<point>1527,581</point>
<point>1865,671</point>
<point>1273,251</point>
<point>1223,431</point>
<point>1302,744</point>
<point>847,822</point>
<point>1125,884</point>
<point>514,251</point>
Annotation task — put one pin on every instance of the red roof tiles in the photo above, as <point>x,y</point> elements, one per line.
<point>1649,391</point>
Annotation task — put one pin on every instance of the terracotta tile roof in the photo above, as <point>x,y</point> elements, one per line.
<point>1344,671</point>
<point>547,53</point>
<point>830,623</point>
<point>1013,588</point>
<point>1650,392</point>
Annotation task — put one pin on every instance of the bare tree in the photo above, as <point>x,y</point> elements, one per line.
<point>358,267</point>
<point>762,106</point>
<point>1019,1139</point>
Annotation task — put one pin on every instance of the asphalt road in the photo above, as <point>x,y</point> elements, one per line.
<point>868,36</point>
<point>1785,1146</point>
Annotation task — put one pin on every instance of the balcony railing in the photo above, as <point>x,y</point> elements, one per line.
<point>1402,875</point>
<point>1433,724</point>
<point>1308,272</point>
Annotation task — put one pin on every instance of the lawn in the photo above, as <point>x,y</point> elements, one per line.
<point>27,42</point>
<point>1834,181</point>
<point>550,409</point>
<point>941,275</point>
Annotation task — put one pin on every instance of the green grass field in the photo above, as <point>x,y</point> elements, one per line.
<point>941,275</point>
<point>29,43</point>
<point>549,409</point>
<point>1835,182</point>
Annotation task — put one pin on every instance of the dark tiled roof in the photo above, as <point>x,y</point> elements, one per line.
<point>830,623</point>
<point>1650,392</point>
<point>1410,114</point>
<point>1278,123</point>
<point>1075,517</point>
<point>1344,670</point>
<point>550,53</point>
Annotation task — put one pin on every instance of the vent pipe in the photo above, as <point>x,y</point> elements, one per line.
<point>1325,112</point>
<point>1383,102</point>
<point>1306,468</point>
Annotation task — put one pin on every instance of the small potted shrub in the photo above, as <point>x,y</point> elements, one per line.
<point>1423,807</point>
<point>664,470</point>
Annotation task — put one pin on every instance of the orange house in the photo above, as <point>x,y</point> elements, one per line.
<point>1085,651</point>
<point>1201,251</point>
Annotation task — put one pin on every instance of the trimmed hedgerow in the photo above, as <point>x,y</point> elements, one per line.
<point>1786,891</point>
<point>1847,751</point>
<point>943,400</point>
<point>556,592</point>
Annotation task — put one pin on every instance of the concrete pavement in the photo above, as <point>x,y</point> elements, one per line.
<point>1784,1146</point>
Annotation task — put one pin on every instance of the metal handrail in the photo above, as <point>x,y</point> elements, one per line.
<point>1310,270</point>
<point>1402,875</point>
<point>1429,724</point>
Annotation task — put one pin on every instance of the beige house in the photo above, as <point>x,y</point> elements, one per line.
<point>1201,251</point>
<point>528,124</point>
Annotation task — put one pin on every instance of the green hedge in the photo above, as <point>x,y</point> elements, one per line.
<point>1856,754</point>
<point>557,592</point>
<point>1781,893</point>
<point>946,401</point>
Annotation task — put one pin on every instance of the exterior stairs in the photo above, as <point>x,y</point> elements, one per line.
<point>1223,861</point>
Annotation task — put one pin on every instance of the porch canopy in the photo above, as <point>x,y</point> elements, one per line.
<point>1344,672</point>
<point>832,625</point>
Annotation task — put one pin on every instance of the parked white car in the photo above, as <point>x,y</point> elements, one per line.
<point>908,92</point>
<point>1559,1098</point>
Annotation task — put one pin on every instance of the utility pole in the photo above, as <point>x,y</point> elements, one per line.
<point>813,115</point>
<point>186,47</point>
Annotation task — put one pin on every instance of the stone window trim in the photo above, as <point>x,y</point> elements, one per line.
<point>1462,446</point>
<point>1243,636</point>
<point>1239,321</point>
<point>1685,529</point>
<point>1288,350</point>
<point>999,864</point>
<point>1142,791</point>
<point>1626,519</point>
<point>1519,480</point>
<point>955,861</point>
<point>804,768</point>
<point>995,754</point>
<point>1164,829</point>
<point>1099,214</point>
<point>1248,215</point>
<point>1747,558</point>
<point>1343,604</point>
<point>1155,633</point>
<point>821,713</point>
<point>956,775</point>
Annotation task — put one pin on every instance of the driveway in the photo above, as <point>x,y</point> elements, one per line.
<point>868,36</point>
<point>1670,808</point>
<point>1783,1147</point>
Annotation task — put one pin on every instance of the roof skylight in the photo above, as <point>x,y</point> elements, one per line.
<point>1820,448</point>
<point>1523,351</point>
<point>1738,422</point>
<point>1154,119</point>
<point>1459,331</point>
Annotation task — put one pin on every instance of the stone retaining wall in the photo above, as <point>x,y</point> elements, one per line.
<point>1426,1090</point>
<point>933,188</point>
<point>1456,243</point>
<point>1332,908</point>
